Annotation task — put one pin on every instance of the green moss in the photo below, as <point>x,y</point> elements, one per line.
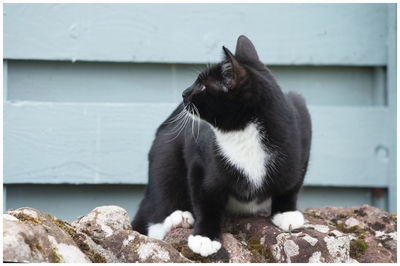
<point>27,219</point>
<point>312,213</point>
<point>34,245</point>
<point>92,255</point>
<point>357,248</point>
<point>295,231</point>
<point>79,240</point>
<point>345,214</point>
<point>260,252</point>
<point>57,258</point>
<point>64,225</point>
<point>187,253</point>
<point>394,217</point>
<point>363,234</point>
<point>354,229</point>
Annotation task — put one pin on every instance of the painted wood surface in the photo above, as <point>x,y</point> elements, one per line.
<point>135,82</point>
<point>341,57</point>
<point>319,34</point>
<point>70,201</point>
<point>391,133</point>
<point>108,143</point>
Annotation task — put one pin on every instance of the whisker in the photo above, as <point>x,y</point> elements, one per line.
<point>177,127</point>
<point>192,118</point>
<point>186,119</point>
<point>198,121</point>
<point>175,118</point>
<point>179,122</point>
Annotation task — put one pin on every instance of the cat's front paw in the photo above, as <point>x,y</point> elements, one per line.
<point>288,221</point>
<point>177,219</point>
<point>203,245</point>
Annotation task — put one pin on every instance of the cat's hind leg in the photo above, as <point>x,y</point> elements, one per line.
<point>289,220</point>
<point>176,219</point>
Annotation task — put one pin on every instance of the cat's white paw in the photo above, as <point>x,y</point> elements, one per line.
<point>203,245</point>
<point>288,221</point>
<point>156,231</point>
<point>178,219</point>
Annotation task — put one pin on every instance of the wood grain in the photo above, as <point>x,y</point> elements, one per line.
<point>316,34</point>
<point>108,143</point>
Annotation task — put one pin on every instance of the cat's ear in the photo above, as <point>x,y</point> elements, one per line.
<point>245,49</point>
<point>238,73</point>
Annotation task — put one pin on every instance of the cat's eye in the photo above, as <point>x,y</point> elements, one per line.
<point>203,88</point>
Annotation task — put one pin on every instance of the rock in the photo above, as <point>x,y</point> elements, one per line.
<point>330,234</point>
<point>316,242</point>
<point>32,236</point>
<point>373,232</point>
<point>232,249</point>
<point>109,227</point>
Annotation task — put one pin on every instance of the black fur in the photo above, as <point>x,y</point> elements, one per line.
<point>187,172</point>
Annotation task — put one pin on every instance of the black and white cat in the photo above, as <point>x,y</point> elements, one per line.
<point>237,144</point>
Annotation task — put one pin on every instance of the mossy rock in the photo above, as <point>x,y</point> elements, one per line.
<point>260,252</point>
<point>357,248</point>
<point>187,253</point>
<point>27,219</point>
<point>79,240</point>
<point>57,258</point>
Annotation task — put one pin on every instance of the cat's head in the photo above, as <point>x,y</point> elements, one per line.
<point>229,94</point>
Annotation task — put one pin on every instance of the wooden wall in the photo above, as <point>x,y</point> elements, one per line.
<point>86,85</point>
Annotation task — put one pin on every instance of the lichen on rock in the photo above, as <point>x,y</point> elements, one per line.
<point>330,234</point>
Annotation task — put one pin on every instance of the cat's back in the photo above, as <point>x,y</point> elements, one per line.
<point>302,116</point>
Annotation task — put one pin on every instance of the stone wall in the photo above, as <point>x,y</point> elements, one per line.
<point>331,234</point>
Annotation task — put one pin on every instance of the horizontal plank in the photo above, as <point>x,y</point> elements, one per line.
<point>136,82</point>
<point>70,201</point>
<point>338,34</point>
<point>108,143</point>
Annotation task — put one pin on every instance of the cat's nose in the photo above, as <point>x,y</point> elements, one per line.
<point>186,93</point>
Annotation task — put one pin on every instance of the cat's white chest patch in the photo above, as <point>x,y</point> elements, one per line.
<point>244,150</point>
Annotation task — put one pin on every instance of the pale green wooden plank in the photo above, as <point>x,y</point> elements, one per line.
<point>339,34</point>
<point>68,202</point>
<point>98,82</point>
<point>124,82</point>
<point>315,197</point>
<point>5,79</point>
<point>391,133</point>
<point>73,201</point>
<point>108,143</point>
<point>4,198</point>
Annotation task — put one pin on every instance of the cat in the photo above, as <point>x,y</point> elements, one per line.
<point>235,145</point>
